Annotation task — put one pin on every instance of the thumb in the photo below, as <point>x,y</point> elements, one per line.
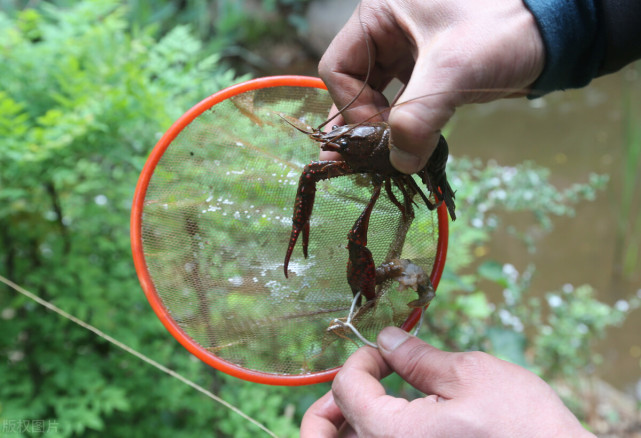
<point>425,367</point>
<point>416,125</point>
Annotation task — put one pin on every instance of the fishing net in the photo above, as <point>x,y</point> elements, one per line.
<point>211,223</point>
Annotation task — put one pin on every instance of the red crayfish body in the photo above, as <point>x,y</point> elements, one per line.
<point>365,149</point>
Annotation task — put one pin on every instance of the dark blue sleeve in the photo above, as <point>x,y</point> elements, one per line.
<point>574,42</point>
<point>622,23</point>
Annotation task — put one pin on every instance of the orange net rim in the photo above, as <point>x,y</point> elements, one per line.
<point>148,285</point>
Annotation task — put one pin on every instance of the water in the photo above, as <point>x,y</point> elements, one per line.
<point>573,133</point>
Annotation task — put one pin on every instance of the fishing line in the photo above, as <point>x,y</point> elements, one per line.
<point>133,352</point>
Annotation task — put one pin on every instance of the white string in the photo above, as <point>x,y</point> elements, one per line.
<point>336,323</point>
<point>133,352</point>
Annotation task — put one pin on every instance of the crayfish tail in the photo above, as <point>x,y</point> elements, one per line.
<point>448,197</point>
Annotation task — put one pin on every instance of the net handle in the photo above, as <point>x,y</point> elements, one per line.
<point>141,265</point>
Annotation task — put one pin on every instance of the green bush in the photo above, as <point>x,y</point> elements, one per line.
<point>551,333</point>
<point>83,98</point>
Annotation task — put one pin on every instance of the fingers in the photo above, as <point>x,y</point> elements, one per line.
<point>417,124</point>
<point>427,368</point>
<point>472,394</point>
<point>380,26</point>
<point>345,65</point>
<point>483,51</point>
<point>358,384</point>
<point>322,419</point>
<point>352,57</point>
<point>444,77</point>
<point>361,375</point>
<point>448,54</point>
<point>369,411</point>
<point>361,397</point>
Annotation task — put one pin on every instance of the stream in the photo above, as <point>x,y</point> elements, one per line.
<point>573,133</point>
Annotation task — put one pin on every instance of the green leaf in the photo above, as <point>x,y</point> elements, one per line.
<point>474,305</point>
<point>493,271</point>
<point>508,344</point>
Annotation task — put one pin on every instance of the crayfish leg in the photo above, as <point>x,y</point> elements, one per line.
<point>426,293</point>
<point>409,276</point>
<point>430,205</point>
<point>394,199</point>
<point>361,271</point>
<point>304,203</point>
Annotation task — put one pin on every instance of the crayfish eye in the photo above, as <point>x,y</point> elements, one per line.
<point>342,143</point>
<point>334,127</point>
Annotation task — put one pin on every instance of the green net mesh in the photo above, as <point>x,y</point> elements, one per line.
<point>216,224</point>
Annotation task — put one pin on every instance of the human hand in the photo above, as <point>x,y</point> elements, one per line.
<point>450,48</point>
<point>469,394</point>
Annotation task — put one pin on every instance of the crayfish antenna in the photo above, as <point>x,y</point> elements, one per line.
<point>290,123</point>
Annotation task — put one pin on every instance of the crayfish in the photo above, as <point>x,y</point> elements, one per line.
<point>365,149</point>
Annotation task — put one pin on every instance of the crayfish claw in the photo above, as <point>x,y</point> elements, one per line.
<point>361,271</point>
<point>305,238</point>
<point>292,243</point>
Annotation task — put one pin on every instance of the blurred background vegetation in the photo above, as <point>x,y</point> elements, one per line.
<point>87,88</point>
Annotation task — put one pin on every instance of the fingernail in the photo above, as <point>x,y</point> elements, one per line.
<point>390,338</point>
<point>404,161</point>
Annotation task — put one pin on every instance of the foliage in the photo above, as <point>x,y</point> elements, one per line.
<point>82,100</point>
<point>223,22</point>
<point>228,27</point>
<point>278,408</point>
<point>629,216</point>
<point>553,333</point>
